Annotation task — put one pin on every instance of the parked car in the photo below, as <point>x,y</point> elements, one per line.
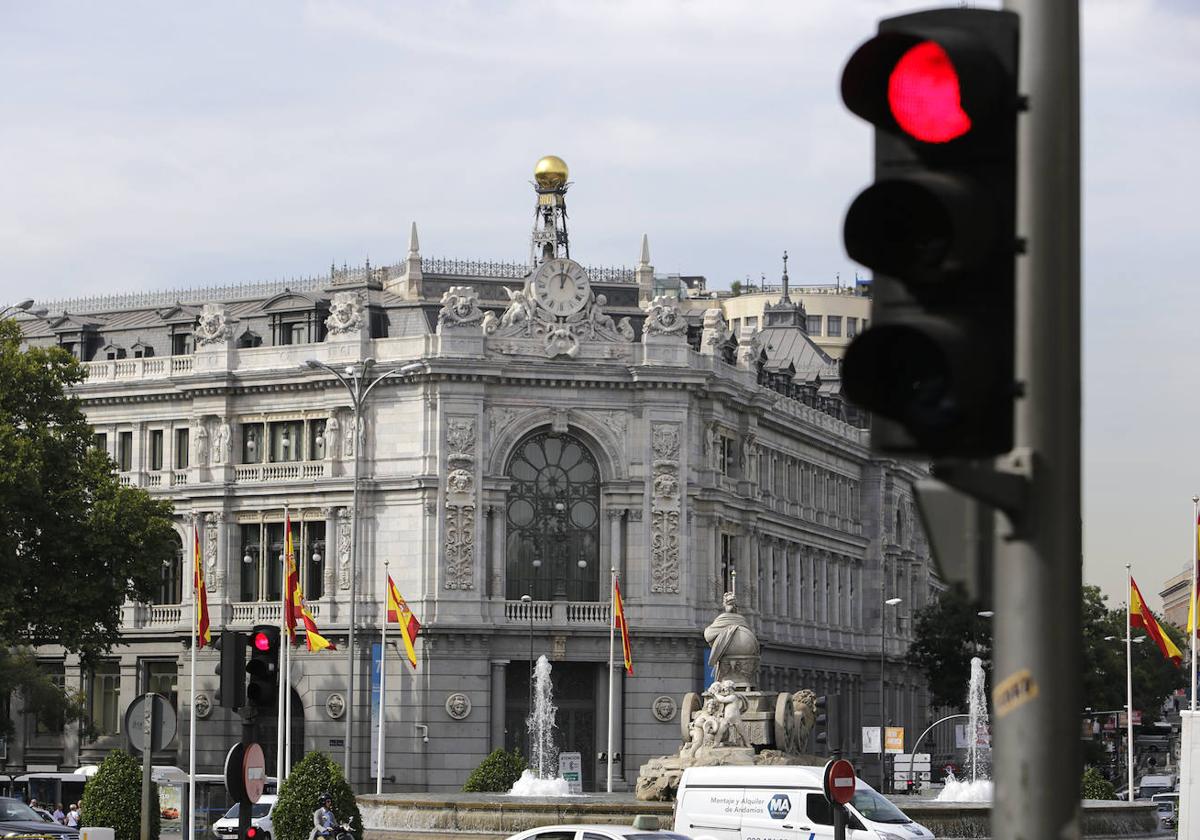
<point>1166,809</point>
<point>18,818</point>
<point>643,828</point>
<point>260,818</point>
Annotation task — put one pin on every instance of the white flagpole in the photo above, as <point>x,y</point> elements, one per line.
<point>1192,609</point>
<point>612,677</point>
<point>280,705</point>
<point>191,824</point>
<point>287,661</point>
<point>382,682</point>
<point>1129,677</point>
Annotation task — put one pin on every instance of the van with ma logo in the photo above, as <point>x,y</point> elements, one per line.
<point>779,806</point>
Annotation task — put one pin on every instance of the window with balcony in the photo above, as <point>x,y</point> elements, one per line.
<point>727,453</point>
<point>170,585</point>
<point>156,449</point>
<point>181,449</point>
<point>252,442</point>
<point>182,344</point>
<point>287,441</point>
<point>316,440</point>
<point>262,559</point>
<point>728,561</point>
<point>104,698</point>
<point>124,451</point>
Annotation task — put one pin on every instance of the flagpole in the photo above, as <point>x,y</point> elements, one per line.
<point>280,705</point>
<point>382,683</point>
<point>1129,676</point>
<point>612,677</point>
<point>289,561</point>
<point>1192,609</point>
<point>196,570</point>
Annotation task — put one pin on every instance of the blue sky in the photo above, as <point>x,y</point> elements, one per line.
<point>159,145</point>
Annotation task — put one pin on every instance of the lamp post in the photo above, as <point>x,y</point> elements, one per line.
<point>527,600</point>
<point>24,306</point>
<point>358,382</point>
<point>887,602</point>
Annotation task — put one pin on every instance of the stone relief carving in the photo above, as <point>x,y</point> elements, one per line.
<point>345,314</point>
<point>716,330</point>
<point>458,706</point>
<point>625,328</point>
<point>499,418</point>
<point>664,708</point>
<point>200,439</point>
<point>750,458</point>
<point>212,327</point>
<point>665,506</point>
<point>212,568</point>
<point>460,503</point>
<point>460,308</point>
<point>203,705</point>
<point>332,430</point>
<point>335,706</point>
<point>344,525</point>
<point>223,443</point>
<point>664,318</point>
<point>561,336</point>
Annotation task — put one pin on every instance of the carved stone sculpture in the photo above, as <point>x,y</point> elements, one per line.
<point>735,652</point>
<point>460,308</point>
<point>345,314</point>
<point>223,443</point>
<point>212,326</point>
<point>201,440</point>
<point>664,318</point>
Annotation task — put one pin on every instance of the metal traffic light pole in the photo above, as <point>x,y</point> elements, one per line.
<point>1038,569</point>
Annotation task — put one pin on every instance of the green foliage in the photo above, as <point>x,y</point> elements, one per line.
<point>735,288</point>
<point>315,774</point>
<point>1095,786</point>
<point>496,774</point>
<point>74,543</point>
<point>946,634</point>
<point>113,798</point>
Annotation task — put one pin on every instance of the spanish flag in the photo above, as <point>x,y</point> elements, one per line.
<point>398,611</point>
<point>1140,616</point>
<point>1195,595</point>
<point>200,596</point>
<point>622,625</point>
<point>293,600</point>
<point>312,635</point>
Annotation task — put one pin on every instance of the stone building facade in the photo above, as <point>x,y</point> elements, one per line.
<point>526,453</point>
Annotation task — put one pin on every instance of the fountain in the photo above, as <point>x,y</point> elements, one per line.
<point>541,777</point>
<point>976,786</point>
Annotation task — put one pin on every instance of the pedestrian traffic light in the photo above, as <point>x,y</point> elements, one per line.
<point>231,669</point>
<point>938,229</point>
<point>827,725</point>
<point>262,671</point>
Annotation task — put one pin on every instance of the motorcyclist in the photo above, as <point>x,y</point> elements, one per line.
<point>324,821</point>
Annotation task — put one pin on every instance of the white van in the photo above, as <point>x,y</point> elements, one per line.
<point>782,802</point>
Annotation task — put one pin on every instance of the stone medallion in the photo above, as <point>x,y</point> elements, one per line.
<point>335,706</point>
<point>664,708</point>
<point>458,706</point>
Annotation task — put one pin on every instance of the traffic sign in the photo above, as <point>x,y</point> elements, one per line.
<point>163,723</point>
<point>254,772</point>
<point>839,781</point>
<point>235,784</point>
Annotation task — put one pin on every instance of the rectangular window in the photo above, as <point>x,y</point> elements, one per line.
<point>156,449</point>
<point>124,451</point>
<point>251,554</point>
<point>252,443</point>
<point>851,327</point>
<point>162,678</point>
<point>170,587</point>
<point>100,441</point>
<point>728,455</point>
<point>728,561</point>
<point>104,698</point>
<point>287,441</point>
<point>181,449</point>
<point>49,721</point>
<point>833,326</point>
<point>814,325</point>
<point>316,440</point>
<point>313,559</point>
<point>737,325</point>
<point>752,322</point>
<point>181,344</point>
<point>779,468</point>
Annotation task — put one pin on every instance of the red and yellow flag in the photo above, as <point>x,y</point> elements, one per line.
<point>293,599</point>
<point>200,595</point>
<point>1140,616</point>
<point>398,611</point>
<point>312,634</point>
<point>621,624</point>
<point>1195,593</point>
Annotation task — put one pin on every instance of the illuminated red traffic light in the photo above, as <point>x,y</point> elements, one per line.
<point>262,641</point>
<point>251,833</point>
<point>925,96</point>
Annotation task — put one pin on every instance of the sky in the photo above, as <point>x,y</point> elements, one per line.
<point>166,145</point>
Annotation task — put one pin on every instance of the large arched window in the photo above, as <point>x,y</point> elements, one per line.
<point>553,533</point>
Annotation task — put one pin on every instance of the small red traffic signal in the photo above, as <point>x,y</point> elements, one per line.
<point>924,95</point>
<point>251,833</point>
<point>262,641</point>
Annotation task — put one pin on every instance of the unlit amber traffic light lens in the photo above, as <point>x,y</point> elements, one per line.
<point>925,97</point>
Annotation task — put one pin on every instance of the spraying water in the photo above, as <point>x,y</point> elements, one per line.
<point>977,786</point>
<point>541,779</point>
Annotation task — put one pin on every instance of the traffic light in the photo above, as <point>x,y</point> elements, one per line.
<point>231,669</point>
<point>827,727</point>
<point>938,229</point>
<point>262,671</point>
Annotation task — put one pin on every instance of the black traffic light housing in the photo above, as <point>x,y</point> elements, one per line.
<point>231,669</point>
<point>262,671</point>
<point>938,229</point>
<point>827,725</point>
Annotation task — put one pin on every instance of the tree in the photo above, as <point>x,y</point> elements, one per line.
<point>1095,786</point>
<point>315,774</point>
<point>497,773</point>
<point>113,798</point>
<point>74,543</point>
<point>947,634</point>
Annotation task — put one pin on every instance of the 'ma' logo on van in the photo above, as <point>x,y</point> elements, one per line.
<point>779,806</point>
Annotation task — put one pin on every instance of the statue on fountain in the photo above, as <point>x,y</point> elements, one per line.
<point>732,722</point>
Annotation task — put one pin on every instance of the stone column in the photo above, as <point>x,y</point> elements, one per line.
<point>497,551</point>
<point>823,589</point>
<point>498,703</point>
<point>329,514</point>
<point>753,599</point>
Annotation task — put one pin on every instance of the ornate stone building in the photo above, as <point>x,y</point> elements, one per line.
<point>552,422</point>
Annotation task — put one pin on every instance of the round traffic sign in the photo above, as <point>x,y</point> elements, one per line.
<point>839,781</point>
<point>254,772</point>
<point>150,719</point>
<point>234,762</point>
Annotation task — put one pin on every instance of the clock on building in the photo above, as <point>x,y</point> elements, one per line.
<point>561,286</point>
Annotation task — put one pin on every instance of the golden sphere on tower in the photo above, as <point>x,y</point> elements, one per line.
<point>550,172</point>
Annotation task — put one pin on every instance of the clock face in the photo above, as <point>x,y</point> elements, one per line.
<point>561,286</point>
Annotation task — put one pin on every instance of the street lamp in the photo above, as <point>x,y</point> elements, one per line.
<point>527,600</point>
<point>24,306</point>
<point>888,602</point>
<point>354,378</point>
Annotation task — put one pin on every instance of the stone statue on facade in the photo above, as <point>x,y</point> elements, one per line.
<point>332,429</point>
<point>223,443</point>
<point>212,326</point>
<point>460,308</point>
<point>664,318</point>
<point>201,437</point>
<point>734,646</point>
<point>345,314</point>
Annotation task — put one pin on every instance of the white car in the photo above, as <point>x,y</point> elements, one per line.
<point>260,818</point>
<point>643,828</point>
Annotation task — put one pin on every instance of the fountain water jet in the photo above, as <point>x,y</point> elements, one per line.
<point>541,778</point>
<point>976,787</point>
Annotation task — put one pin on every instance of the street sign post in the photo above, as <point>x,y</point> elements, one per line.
<point>150,724</point>
<point>838,783</point>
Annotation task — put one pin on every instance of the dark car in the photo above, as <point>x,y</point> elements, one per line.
<point>18,819</point>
